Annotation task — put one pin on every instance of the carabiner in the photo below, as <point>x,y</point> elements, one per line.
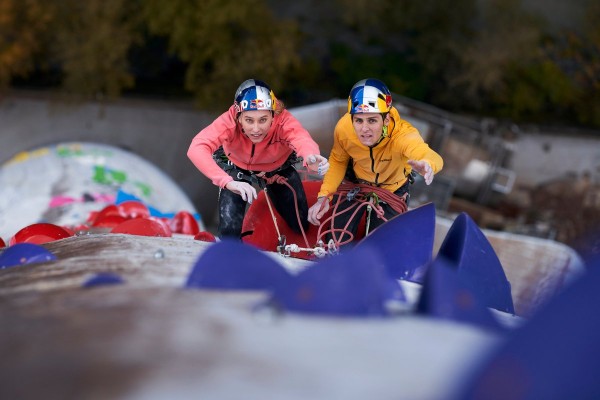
<point>352,193</point>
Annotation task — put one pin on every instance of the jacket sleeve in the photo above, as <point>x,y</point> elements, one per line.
<point>338,162</point>
<point>297,136</point>
<point>206,142</point>
<point>414,147</point>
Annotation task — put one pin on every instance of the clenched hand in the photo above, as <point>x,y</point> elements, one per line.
<point>318,210</point>
<point>317,163</point>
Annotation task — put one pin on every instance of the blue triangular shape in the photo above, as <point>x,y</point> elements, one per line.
<point>554,355</point>
<point>231,264</point>
<point>477,264</point>
<point>354,283</point>
<point>444,296</point>
<point>406,243</point>
<point>24,253</point>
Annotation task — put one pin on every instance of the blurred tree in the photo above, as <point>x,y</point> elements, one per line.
<point>435,35</point>
<point>485,56</point>
<point>413,46</point>
<point>224,42</point>
<point>518,68</point>
<point>92,40</point>
<point>22,23</point>
<point>577,56</point>
<point>506,48</point>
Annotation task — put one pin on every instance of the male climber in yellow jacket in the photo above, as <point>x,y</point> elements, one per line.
<point>382,148</point>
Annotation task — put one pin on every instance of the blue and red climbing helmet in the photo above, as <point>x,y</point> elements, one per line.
<point>253,94</point>
<point>369,96</point>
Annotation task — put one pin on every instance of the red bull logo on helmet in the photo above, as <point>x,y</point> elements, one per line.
<point>256,104</point>
<point>362,108</point>
<point>255,98</point>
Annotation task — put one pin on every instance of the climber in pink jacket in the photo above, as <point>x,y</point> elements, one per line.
<point>254,140</point>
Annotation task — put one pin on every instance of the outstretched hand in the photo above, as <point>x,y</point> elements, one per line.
<point>317,163</point>
<point>244,189</point>
<point>423,168</point>
<point>318,210</point>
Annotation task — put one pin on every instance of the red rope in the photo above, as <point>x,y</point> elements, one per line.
<point>283,181</point>
<point>363,198</point>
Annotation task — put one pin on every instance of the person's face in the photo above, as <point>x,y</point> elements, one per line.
<point>255,124</point>
<point>369,127</point>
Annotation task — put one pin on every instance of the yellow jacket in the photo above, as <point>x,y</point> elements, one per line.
<point>384,164</point>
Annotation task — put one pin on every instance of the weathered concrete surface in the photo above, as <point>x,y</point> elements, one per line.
<point>139,260</point>
<point>155,343</point>
<point>151,339</point>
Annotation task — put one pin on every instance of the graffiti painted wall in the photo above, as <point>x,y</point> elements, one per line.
<point>63,183</point>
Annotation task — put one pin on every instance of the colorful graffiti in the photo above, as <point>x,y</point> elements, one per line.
<point>62,184</point>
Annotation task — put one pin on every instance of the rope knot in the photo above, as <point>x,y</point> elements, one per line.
<point>275,179</point>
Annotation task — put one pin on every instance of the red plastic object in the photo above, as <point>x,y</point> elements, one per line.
<point>103,215</point>
<point>133,209</point>
<point>70,231</point>
<point>2,244</point>
<point>40,233</point>
<point>164,222</point>
<point>205,236</point>
<point>91,217</point>
<point>143,227</point>
<point>78,228</point>
<point>261,232</point>
<point>108,221</point>
<point>185,223</point>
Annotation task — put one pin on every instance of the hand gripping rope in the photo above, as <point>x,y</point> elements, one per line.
<point>364,196</point>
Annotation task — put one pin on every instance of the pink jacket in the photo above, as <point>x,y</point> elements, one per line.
<point>285,135</point>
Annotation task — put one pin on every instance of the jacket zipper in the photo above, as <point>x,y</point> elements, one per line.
<point>373,166</point>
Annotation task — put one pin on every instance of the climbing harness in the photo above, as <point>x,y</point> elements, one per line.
<point>261,180</point>
<point>253,177</point>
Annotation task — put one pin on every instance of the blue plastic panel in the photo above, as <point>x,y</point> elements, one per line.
<point>406,243</point>
<point>234,265</point>
<point>24,253</point>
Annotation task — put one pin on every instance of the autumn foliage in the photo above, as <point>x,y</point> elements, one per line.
<point>490,57</point>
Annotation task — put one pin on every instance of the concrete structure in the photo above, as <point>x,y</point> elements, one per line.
<point>64,183</point>
<point>156,131</point>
